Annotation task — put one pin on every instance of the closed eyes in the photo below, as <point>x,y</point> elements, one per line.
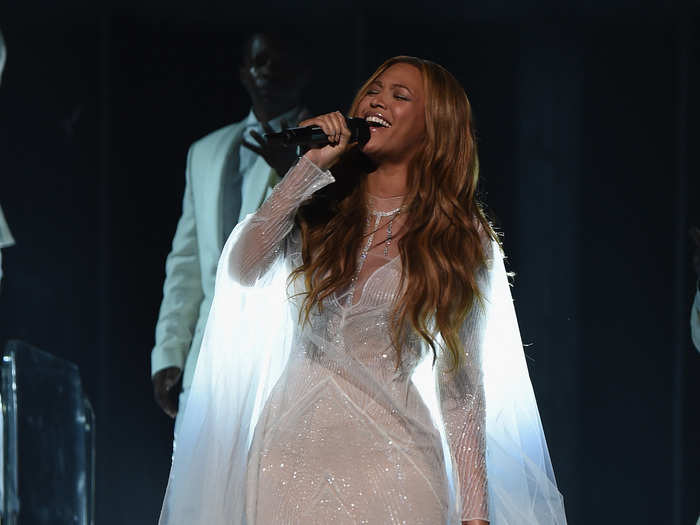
<point>397,96</point>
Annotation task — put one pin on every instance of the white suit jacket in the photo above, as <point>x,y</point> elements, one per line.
<point>6,239</point>
<point>191,265</point>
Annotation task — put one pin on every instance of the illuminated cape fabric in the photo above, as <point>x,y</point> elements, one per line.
<point>252,331</point>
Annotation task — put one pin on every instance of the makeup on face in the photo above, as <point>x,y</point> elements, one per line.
<point>393,105</point>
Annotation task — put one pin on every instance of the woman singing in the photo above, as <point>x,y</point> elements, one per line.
<point>368,269</point>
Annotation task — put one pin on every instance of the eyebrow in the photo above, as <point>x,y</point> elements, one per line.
<point>377,81</point>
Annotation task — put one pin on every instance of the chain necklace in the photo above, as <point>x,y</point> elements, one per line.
<point>363,254</point>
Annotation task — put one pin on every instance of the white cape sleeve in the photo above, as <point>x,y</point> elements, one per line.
<point>522,487</point>
<point>244,351</point>
<point>245,348</point>
<point>520,480</point>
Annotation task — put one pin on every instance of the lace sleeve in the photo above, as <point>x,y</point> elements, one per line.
<point>260,238</point>
<point>462,403</point>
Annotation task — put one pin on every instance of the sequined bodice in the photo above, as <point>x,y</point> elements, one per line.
<point>345,430</point>
<point>357,320</point>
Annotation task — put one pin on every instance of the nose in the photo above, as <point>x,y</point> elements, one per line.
<point>377,101</point>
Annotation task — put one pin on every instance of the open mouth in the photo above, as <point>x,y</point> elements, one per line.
<point>376,121</point>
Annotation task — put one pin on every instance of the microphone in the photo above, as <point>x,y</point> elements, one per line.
<point>310,136</point>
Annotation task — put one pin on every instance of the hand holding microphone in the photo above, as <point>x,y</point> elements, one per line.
<point>332,132</point>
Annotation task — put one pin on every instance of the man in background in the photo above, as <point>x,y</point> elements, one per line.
<point>6,239</point>
<point>229,173</point>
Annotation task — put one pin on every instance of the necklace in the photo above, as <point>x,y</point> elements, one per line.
<point>363,254</point>
<point>393,214</point>
<point>385,213</point>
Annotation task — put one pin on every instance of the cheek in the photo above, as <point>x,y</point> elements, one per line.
<point>361,107</point>
<point>417,128</point>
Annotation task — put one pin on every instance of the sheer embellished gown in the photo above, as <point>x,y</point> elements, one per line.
<point>345,436</point>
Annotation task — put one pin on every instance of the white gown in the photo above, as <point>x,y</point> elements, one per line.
<point>330,430</point>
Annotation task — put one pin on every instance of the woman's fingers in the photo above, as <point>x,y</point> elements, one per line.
<point>332,124</point>
<point>336,129</point>
<point>321,121</point>
<point>333,117</point>
<point>332,131</point>
<point>344,131</point>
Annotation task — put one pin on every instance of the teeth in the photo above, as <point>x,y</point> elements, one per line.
<point>374,119</point>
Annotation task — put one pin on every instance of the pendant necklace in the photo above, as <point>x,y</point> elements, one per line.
<point>393,214</point>
<point>363,254</point>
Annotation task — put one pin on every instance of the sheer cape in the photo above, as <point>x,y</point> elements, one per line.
<point>245,349</point>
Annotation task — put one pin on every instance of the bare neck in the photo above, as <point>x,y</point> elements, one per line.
<point>388,180</point>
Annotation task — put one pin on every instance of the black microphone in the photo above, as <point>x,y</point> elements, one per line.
<point>310,136</point>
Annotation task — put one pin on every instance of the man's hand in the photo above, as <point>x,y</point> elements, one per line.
<point>695,235</point>
<point>280,158</point>
<point>166,389</point>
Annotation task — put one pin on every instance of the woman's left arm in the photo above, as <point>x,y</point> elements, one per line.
<point>461,394</point>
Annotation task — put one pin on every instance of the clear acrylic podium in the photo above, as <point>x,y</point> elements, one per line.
<point>48,441</point>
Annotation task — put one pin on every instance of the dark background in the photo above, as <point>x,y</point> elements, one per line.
<point>588,125</point>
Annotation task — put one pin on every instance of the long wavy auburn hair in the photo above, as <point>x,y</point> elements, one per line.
<point>442,248</point>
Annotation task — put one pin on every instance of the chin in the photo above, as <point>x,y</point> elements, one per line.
<point>370,151</point>
<point>373,146</point>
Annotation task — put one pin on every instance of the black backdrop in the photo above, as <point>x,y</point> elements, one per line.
<point>587,120</point>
